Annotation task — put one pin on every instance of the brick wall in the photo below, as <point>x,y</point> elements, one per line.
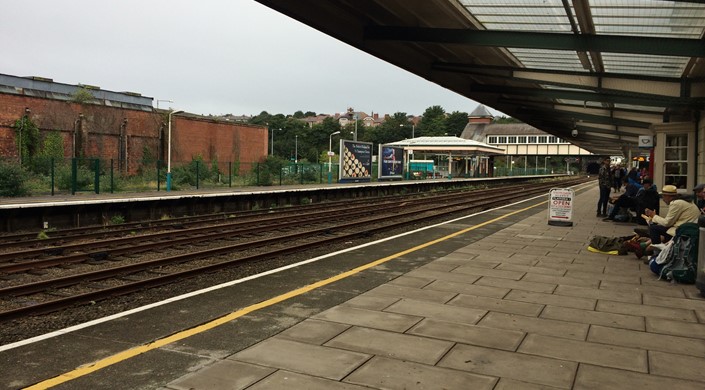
<point>115,133</point>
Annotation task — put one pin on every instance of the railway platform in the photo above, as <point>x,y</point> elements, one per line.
<point>500,300</point>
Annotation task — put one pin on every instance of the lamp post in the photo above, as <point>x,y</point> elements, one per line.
<point>544,163</point>
<point>330,155</point>
<point>273,141</point>
<point>168,153</point>
<point>296,149</point>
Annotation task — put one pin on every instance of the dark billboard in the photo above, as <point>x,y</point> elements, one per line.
<point>391,162</point>
<point>355,161</point>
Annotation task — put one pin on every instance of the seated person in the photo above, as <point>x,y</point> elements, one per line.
<point>700,197</point>
<point>679,212</point>
<point>627,199</point>
<point>646,198</point>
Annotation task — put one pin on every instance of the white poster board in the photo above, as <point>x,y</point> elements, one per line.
<point>560,206</point>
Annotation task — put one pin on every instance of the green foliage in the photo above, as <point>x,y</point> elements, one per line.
<point>268,171</point>
<point>506,119</point>
<point>12,179</point>
<point>117,219</point>
<point>42,235</point>
<point>81,95</point>
<point>52,148</point>
<point>186,174</point>
<point>456,122</point>
<point>27,136</point>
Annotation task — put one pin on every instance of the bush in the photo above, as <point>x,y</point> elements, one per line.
<point>12,179</point>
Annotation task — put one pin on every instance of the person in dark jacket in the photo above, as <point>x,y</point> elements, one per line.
<point>646,198</point>
<point>700,197</point>
<point>604,180</point>
<point>626,200</point>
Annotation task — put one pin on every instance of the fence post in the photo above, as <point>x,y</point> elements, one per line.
<point>74,173</point>
<point>52,175</point>
<point>159,178</point>
<point>96,167</point>
<point>112,176</point>
<point>198,171</point>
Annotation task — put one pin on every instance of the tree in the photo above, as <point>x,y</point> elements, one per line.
<point>456,122</point>
<point>299,114</point>
<point>506,119</point>
<point>433,122</point>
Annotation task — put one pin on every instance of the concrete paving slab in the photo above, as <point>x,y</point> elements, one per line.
<point>224,374</point>
<point>391,345</point>
<point>676,365</point>
<point>585,352</point>
<point>552,299</point>
<point>561,280</point>
<point>437,311</point>
<point>381,373</point>
<point>532,270</point>
<point>683,303</point>
<point>469,334</point>
<point>413,293</point>
<point>313,331</point>
<point>291,380</point>
<point>469,289</point>
<point>593,317</point>
<point>646,310</point>
<point>676,328</point>
<point>570,330</point>
<point>604,378</point>
<point>443,275</point>
<point>576,291</point>
<point>511,384</point>
<point>496,273</point>
<point>518,366</point>
<point>663,290</point>
<point>371,302</point>
<point>500,305</point>
<point>410,281</point>
<point>368,318</point>
<point>516,284</point>
<point>645,340</point>
<point>304,358</point>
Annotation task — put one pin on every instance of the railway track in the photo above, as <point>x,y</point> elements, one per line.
<point>230,243</point>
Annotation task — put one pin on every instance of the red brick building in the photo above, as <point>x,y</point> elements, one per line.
<point>122,126</point>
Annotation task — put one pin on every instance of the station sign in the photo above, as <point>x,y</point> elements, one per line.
<point>646,141</point>
<point>560,206</point>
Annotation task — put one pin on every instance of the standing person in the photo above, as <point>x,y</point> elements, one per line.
<point>605,183</point>
<point>617,178</point>
<point>679,212</point>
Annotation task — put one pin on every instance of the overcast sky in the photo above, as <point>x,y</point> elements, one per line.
<point>208,56</point>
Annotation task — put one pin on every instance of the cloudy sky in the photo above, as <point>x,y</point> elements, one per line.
<point>207,56</point>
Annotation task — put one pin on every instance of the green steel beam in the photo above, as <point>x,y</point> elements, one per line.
<point>535,40</point>
<point>631,98</point>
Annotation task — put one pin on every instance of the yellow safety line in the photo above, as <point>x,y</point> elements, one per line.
<point>130,353</point>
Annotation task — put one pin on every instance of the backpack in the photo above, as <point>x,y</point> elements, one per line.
<point>682,260</point>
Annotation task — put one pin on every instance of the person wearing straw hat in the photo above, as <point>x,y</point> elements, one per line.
<point>679,212</point>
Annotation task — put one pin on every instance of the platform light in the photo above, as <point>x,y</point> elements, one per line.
<point>168,159</point>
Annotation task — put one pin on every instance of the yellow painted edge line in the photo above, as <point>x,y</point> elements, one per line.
<point>130,353</point>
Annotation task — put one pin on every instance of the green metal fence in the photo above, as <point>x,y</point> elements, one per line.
<point>50,176</point>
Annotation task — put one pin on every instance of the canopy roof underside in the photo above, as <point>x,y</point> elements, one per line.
<point>610,69</point>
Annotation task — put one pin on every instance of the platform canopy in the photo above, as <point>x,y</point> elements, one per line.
<point>447,145</point>
<point>604,70</point>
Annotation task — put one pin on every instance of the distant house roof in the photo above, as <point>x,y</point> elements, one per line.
<point>447,144</point>
<point>479,131</point>
<point>480,112</point>
<point>47,88</point>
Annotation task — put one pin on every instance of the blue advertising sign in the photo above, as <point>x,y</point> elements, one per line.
<point>391,162</point>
